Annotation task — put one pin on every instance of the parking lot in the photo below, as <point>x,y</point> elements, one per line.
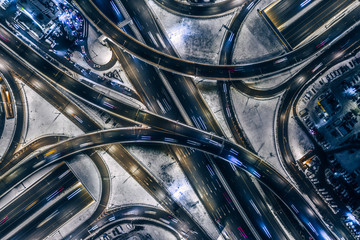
<point>331,114</point>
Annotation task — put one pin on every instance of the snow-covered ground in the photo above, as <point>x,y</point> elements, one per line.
<point>256,40</point>
<point>125,189</point>
<point>257,119</point>
<point>200,39</point>
<point>44,119</point>
<point>194,39</point>
<point>167,171</point>
<point>299,142</point>
<point>210,94</point>
<point>78,59</point>
<point>85,170</point>
<point>99,53</point>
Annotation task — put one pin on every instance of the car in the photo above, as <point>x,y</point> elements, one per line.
<point>313,179</point>
<point>343,69</point>
<point>308,94</point>
<point>87,59</point>
<point>326,145</point>
<point>130,226</point>
<point>348,178</point>
<point>346,175</point>
<point>304,113</point>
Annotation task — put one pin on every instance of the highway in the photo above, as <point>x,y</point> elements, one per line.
<point>226,55</point>
<point>270,92</point>
<point>55,216</point>
<point>68,108</point>
<point>18,107</point>
<point>44,193</point>
<point>302,76</point>
<point>28,149</point>
<point>150,86</point>
<point>188,68</point>
<point>137,115</point>
<point>59,60</point>
<point>288,103</point>
<point>300,29</point>
<point>2,113</point>
<point>279,12</point>
<point>133,213</point>
<point>215,146</point>
<point>249,196</point>
<point>60,102</point>
<point>192,136</point>
<point>200,10</point>
<point>202,118</point>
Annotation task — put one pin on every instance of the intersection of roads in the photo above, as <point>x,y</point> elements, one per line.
<point>188,129</point>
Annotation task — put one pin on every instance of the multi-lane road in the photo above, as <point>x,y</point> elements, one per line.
<point>147,118</point>
<point>185,67</point>
<point>44,200</point>
<point>235,200</point>
<point>201,10</point>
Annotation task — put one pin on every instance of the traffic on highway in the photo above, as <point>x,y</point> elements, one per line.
<point>112,128</point>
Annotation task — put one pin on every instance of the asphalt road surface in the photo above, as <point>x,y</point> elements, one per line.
<point>184,67</point>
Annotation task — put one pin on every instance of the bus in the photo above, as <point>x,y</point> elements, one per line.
<point>5,96</point>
